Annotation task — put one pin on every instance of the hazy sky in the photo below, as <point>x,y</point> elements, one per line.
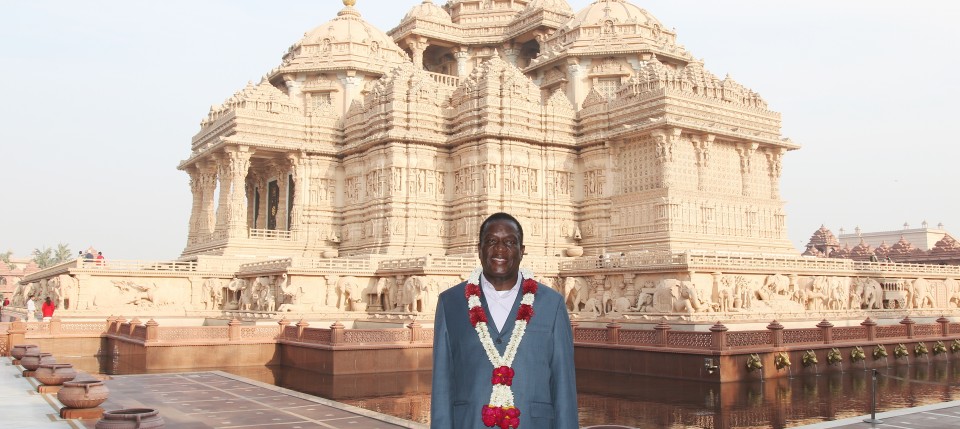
<point>100,100</point>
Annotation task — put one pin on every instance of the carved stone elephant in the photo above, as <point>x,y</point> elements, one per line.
<point>349,296</point>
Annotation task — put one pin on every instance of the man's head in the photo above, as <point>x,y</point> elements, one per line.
<point>501,249</point>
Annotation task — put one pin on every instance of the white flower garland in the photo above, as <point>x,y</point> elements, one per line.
<point>502,395</point>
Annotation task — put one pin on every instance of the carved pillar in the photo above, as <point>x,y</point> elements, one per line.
<point>223,205</point>
<point>944,326</point>
<point>238,162</point>
<point>666,141</point>
<point>206,220</point>
<point>662,329</point>
<point>613,333</point>
<point>294,88</point>
<point>775,163</point>
<point>510,54</point>
<point>351,90</point>
<point>462,56</point>
<point>702,145</point>
<point>576,95</point>
<point>280,168</point>
<point>197,192</point>
<point>233,330</point>
<point>301,184</point>
<point>746,150</point>
<point>417,47</point>
<point>153,331</point>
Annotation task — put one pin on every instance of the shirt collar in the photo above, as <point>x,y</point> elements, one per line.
<point>488,287</point>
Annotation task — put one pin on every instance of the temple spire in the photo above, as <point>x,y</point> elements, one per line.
<point>349,3</point>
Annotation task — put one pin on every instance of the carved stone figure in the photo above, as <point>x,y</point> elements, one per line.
<point>579,294</point>
<point>349,296</point>
<point>871,292</point>
<point>211,293</point>
<point>778,284</point>
<point>675,296</point>
<point>922,297</point>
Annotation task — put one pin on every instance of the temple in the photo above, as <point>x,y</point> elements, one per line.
<point>596,129</point>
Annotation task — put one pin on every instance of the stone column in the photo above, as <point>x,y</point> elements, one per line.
<point>196,191</point>
<point>418,46</point>
<point>746,150</point>
<point>301,185</point>
<point>223,205</point>
<point>827,328</point>
<point>351,89</point>
<point>238,161</point>
<point>574,89</point>
<point>208,184</point>
<point>462,56</point>
<point>702,145</point>
<point>281,170</point>
<point>775,164</point>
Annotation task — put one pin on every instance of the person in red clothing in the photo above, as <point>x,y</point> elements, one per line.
<point>100,259</point>
<point>47,309</point>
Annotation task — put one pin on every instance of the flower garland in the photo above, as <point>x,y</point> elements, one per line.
<point>501,410</point>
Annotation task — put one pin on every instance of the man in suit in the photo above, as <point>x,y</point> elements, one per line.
<point>502,317</point>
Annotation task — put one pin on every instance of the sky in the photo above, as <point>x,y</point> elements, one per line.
<point>99,100</point>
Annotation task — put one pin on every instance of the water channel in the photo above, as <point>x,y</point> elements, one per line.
<point>638,401</point>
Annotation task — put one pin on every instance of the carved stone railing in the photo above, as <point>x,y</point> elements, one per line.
<point>445,79</point>
<point>271,235</point>
<point>137,265</point>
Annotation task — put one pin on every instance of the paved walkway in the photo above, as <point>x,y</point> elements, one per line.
<point>200,400</point>
<point>20,404</point>
<point>936,416</point>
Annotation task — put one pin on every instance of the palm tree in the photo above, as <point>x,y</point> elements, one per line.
<point>43,258</point>
<point>62,254</point>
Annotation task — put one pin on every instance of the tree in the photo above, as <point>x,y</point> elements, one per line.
<point>5,257</point>
<point>48,257</point>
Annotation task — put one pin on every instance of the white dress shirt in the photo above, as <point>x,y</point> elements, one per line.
<point>499,303</point>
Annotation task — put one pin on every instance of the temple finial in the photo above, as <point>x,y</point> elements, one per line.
<point>349,3</point>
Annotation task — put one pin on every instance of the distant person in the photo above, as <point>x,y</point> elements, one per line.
<point>80,255</point>
<point>31,309</point>
<point>88,255</point>
<point>47,309</point>
<point>100,258</point>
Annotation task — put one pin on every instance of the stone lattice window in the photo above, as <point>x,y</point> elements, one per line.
<point>608,86</point>
<point>320,99</point>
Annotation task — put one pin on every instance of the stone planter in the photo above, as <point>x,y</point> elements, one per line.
<point>330,253</point>
<point>131,418</point>
<point>83,394</point>
<point>55,374</point>
<point>574,251</point>
<point>20,350</point>
<point>33,360</point>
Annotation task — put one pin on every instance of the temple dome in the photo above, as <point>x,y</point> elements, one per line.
<point>619,11</point>
<point>347,41</point>
<point>556,5</point>
<point>428,11</point>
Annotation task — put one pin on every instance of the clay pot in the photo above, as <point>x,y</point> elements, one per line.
<point>20,350</point>
<point>54,374</point>
<point>83,394</point>
<point>131,418</point>
<point>32,360</point>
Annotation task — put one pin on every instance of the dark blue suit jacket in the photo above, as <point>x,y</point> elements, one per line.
<point>544,386</point>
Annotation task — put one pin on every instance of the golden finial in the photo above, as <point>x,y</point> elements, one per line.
<point>349,3</point>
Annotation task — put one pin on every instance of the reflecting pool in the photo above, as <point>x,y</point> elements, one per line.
<point>638,401</point>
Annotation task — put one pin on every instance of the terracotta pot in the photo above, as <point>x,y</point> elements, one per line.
<point>31,361</point>
<point>54,374</point>
<point>131,418</point>
<point>83,394</point>
<point>20,350</point>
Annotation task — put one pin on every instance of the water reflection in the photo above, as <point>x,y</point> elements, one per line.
<point>638,401</point>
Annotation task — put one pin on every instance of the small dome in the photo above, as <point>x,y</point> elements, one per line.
<point>555,5</point>
<point>347,41</point>
<point>428,11</point>
<point>618,11</point>
<point>823,237</point>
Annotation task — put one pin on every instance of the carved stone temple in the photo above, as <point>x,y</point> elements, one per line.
<point>354,175</point>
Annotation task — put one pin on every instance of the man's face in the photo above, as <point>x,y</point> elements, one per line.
<point>500,253</point>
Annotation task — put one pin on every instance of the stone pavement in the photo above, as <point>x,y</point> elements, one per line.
<point>935,416</point>
<point>200,400</point>
<point>20,404</point>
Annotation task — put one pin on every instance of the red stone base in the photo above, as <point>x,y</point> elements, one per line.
<point>81,413</point>
<point>16,361</point>
<point>28,373</point>
<point>48,389</point>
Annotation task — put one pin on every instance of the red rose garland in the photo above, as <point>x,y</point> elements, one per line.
<point>501,411</point>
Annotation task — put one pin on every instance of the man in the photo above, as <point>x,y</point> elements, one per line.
<point>536,389</point>
<point>31,309</point>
